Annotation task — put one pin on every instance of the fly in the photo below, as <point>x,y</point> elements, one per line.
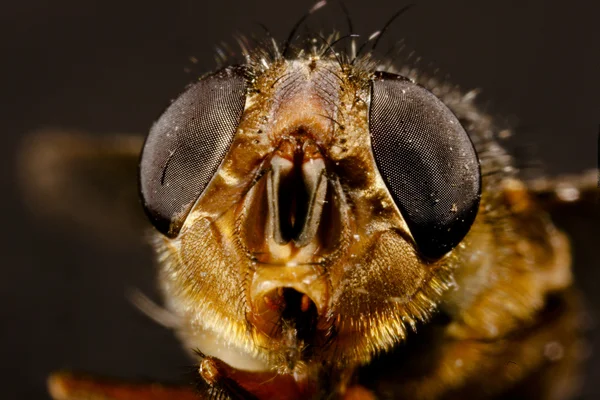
<point>329,225</point>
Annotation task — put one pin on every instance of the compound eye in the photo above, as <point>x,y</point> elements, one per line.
<point>187,144</point>
<point>427,161</point>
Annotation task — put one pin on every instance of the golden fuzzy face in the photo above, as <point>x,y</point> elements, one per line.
<point>296,250</point>
<point>313,209</point>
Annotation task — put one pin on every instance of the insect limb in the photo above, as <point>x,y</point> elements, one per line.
<point>68,386</point>
<point>219,381</point>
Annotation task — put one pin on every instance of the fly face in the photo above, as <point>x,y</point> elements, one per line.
<point>314,210</point>
<point>311,211</point>
<point>309,204</point>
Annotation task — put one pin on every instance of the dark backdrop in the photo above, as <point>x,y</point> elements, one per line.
<point>112,66</point>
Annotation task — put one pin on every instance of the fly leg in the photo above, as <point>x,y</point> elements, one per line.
<point>67,386</point>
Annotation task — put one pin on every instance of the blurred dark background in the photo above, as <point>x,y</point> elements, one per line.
<point>112,66</point>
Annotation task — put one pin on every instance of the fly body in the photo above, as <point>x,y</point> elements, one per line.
<point>329,225</point>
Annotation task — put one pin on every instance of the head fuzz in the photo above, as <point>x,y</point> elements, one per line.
<point>295,252</point>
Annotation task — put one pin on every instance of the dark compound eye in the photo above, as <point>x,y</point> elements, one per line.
<point>427,161</point>
<point>186,146</point>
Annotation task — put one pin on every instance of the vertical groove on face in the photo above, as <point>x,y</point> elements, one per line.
<point>186,146</point>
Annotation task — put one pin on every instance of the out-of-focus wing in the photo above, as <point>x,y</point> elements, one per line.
<point>541,361</point>
<point>84,181</point>
<point>579,192</point>
<point>573,202</point>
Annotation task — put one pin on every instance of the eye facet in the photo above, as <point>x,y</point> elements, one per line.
<point>427,161</point>
<point>186,146</point>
